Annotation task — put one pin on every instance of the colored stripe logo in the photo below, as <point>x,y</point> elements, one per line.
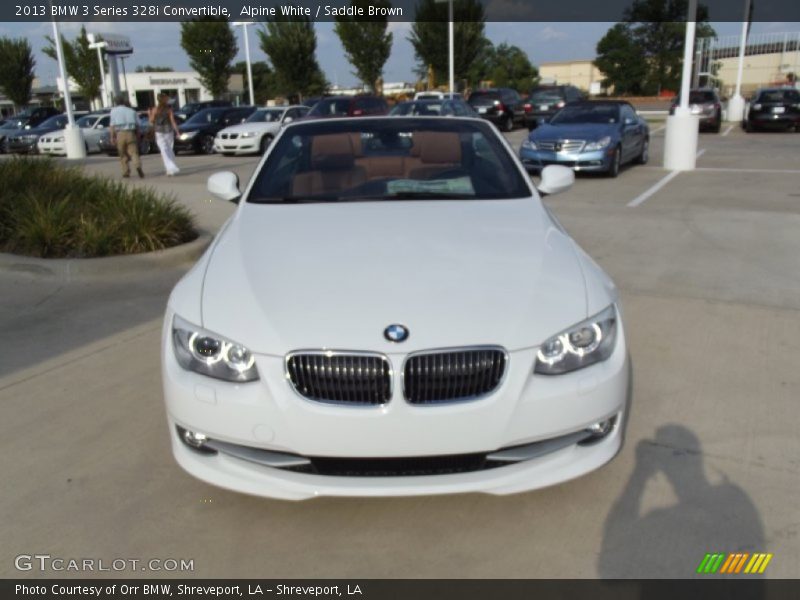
<point>734,563</point>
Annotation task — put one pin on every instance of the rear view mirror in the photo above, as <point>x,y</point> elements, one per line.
<point>225,186</point>
<point>556,179</point>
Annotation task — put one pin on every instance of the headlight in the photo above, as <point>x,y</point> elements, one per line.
<point>247,134</point>
<point>210,354</point>
<point>579,346</point>
<point>188,135</point>
<point>528,145</point>
<point>598,145</point>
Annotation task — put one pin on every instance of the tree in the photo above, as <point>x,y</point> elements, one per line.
<point>619,58</point>
<point>291,46</point>
<point>509,66</point>
<point>263,79</point>
<point>211,46</point>
<point>16,70</point>
<point>429,37</point>
<point>81,62</point>
<point>366,43</point>
<point>650,43</point>
<point>153,69</point>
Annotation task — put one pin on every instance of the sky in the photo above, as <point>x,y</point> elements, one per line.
<point>159,44</point>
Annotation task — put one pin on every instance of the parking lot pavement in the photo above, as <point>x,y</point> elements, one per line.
<point>710,281</point>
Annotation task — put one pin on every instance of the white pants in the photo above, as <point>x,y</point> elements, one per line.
<point>165,142</point>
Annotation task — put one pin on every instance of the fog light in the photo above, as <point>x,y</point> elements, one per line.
<point>597,431</point>
<point>195,440</point>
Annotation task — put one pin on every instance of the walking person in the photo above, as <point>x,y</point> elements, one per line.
<point>123,131</point>
<point>163,120</point>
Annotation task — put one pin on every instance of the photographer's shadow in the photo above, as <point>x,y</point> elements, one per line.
<point>671,541</point>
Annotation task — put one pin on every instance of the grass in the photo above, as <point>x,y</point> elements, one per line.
<point>51,211</point>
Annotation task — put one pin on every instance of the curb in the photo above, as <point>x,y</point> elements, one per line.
<point>131,264</point>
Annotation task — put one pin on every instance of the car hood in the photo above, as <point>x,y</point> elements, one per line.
<point>456,273</point>
<point>196,127</point>
<point>254,127</point>
<point>573,131</point>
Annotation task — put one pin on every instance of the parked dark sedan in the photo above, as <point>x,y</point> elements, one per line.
<point>774,108</point>
<point>23,141</point>
<point>597,136</point>
<point>545,101</point>
<point>502,106</point>
<point>27,119</point>
<point>349,106</point>
<point>198,132</point>
<point>434,108</point>
<point>704,103</point>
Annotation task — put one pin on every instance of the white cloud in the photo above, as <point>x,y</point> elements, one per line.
<point>549,34</point>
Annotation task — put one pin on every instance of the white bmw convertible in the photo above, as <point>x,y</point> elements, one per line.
<point>392,310</point>
<point>256,134</point>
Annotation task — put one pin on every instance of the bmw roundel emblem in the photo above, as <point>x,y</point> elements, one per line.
<point>396,333</point>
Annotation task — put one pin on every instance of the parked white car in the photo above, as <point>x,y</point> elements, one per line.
<point>256,134</point>
<point>392,310</point>
<point>92,127</point>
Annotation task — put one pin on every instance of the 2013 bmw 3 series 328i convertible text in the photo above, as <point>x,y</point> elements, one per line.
<point>392,310</point>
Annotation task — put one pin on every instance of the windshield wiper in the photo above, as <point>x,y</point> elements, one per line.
<point>423,195</point>
<point>304,199</point>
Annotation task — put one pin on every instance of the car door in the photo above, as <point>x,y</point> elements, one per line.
<point>92,136</point>
<point>632,133</point>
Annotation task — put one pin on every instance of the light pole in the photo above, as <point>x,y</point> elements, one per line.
<point>680,140</point>
<point>736,103</point>
<point>450,45</point>
<point>73,137</point>
<point>244,25</point>
<point>100,46</point>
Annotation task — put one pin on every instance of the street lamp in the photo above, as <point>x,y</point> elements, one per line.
<point>73,136</point>
<point>680,140</point>
<point>450,44</point>
<point>100,46</point>
<point>244,25</point>
<point>736,103</point>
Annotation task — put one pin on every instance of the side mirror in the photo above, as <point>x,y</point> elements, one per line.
<point>225,186</point>
<point>288,120</point>
<point>629,121</point>
<point>556,179</point>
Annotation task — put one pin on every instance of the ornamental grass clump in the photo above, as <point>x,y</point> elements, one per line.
<point>51,211</point>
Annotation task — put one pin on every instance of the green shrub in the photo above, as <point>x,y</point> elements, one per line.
<point>52,211</point>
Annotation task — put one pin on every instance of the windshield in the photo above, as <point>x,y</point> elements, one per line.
<point>265,116</point>
<point>700,97</point>
<point>594,114</point>
<point>334,106</point>
<point>546,96</point>
<point>779,96</point>
<point>87,121</point>
<point>483,98</point>
<point>208,115</point>
<point>388,159</point>
<point>56,121</point>
<point>11,124</point>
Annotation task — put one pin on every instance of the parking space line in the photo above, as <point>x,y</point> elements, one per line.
<point>730,170</point>
<point>727,131</point>
<point>643,197</point>
<point>660,184</point>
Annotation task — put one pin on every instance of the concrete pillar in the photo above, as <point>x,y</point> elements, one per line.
<point>113,74</point>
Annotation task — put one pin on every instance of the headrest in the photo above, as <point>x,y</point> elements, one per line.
<point>435,147</point>
<point>332,151</point>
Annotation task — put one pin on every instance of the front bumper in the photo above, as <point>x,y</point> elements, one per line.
<point>767,120</point>
<point>53,148</point>
<point>237,146</point>
<point>595,161</point>
<point>270,415</point>
<point>191,144</point>
<point>21,147</point>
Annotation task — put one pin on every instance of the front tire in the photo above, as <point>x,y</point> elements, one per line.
<point>207,144</point>
<point>616,163</point>
<point>508,124</point>
<point>644,157</point>
<point>266,140</point>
